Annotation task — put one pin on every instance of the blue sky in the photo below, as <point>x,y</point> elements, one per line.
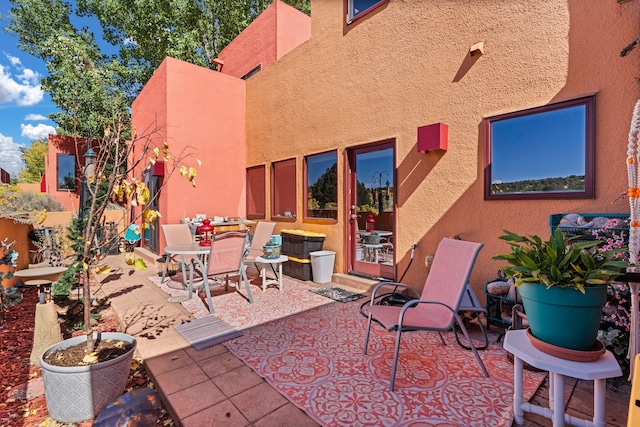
<point>23,105</point>
<point>544,145</point>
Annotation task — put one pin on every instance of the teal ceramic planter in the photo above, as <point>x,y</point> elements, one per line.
<point>564,317</point>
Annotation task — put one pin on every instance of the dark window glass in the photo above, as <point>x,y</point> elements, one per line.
<point>283,188</point>
<point>357,8</point>
<point>322,185</point>
<point>66,169</point>
<point>256,206</point>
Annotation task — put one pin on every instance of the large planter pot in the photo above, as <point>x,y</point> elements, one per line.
<point>564,317</point>
<point>79,393</point>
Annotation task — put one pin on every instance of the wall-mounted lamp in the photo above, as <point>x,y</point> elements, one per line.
<point>477,49</point>
<point>433,137</point>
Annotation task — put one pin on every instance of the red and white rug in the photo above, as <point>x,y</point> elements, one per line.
<point>310,349</point>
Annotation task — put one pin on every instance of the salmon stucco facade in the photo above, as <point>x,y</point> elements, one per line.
<point>361,90</point>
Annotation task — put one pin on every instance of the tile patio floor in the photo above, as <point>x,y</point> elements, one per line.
<point>212,387</point>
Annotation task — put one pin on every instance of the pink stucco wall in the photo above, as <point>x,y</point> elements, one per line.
<point>60,144</point>
<point>201,115</point>
<point>273,34</point>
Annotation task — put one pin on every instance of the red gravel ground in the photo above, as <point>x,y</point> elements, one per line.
<point>16,342</point>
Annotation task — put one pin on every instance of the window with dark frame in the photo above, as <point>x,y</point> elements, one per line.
<point>256,190</point>
<point>283,189</point>
<point>545,152</point>
<point>321,178</point>
<point>66,171</point>
<point>359,8</point>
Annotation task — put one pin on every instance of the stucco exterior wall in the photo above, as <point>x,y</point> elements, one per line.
<point>60,144</point>
<point>408,65</point>
<point>274,33</point>
<point>201,114</point>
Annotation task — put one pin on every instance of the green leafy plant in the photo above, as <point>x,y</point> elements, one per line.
<point>561,261</point>
<point>8,296</point>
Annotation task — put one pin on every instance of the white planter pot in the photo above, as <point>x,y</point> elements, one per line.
<point>79,393</point>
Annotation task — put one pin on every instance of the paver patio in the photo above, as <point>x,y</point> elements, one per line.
<point>213,387</point>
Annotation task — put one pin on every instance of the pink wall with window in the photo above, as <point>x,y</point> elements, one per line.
<point>273,34</point>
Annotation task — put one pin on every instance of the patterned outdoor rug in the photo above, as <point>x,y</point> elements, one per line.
<point>316,360</point>
<point>337,294</point>
<point>310,349</point>
<point>206,332</point>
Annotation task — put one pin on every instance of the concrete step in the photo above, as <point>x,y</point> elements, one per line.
<point>355,282</point>
<point>149,257</point>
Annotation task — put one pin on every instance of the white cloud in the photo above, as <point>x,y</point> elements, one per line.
<point>15,61</point>
<point>40,131</point>
<point>35,117</point>
<point>10,155</point>
<point>24,89</point>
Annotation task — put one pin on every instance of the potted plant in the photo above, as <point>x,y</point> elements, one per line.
<point>271,250</point>
<point>563,285</point>
<point>372,238</point>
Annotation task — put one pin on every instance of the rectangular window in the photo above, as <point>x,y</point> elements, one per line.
<point>358,8</point>
<point>556,144</point>
<point>66,170</point>
<point>283,188</point>
<point>256,201</point>
<point>322,185</point>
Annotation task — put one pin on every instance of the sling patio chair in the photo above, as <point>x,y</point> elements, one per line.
<point>438,306</point>
<point>175,234</point>
<point>225,258</point>
<point>261,236</point>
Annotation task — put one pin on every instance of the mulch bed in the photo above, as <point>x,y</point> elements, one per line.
<point>16,338</point>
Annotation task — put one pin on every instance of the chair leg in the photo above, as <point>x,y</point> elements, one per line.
<point>473,347</point>
<point>246,284</point>
<point>482,329</point>
<point>396,353</point>
<point>208,292</point>
<point>366,337</point>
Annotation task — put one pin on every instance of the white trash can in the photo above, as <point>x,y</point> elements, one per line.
<point>322,265</point>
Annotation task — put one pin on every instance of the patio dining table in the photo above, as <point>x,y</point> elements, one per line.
<point>183,249</point>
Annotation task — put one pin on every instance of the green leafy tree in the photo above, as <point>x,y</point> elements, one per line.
<point>325,189</point>
<point>33,158</point>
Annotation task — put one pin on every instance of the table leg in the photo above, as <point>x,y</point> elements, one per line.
<point>600,390</point>
<point>184,274</point>
<point>558,398</point>
<point>518,412</point>
<point>263,273</point>
<point>280,275</point>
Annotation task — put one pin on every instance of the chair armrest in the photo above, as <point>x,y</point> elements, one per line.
<point>384,284</point>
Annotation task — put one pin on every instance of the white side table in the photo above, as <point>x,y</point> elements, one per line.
<point>263,272</point>
<point>517,343</point>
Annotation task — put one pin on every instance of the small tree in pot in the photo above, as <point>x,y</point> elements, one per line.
<point>560,280</point>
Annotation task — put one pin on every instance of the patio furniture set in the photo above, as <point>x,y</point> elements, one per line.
<point>228,254</point>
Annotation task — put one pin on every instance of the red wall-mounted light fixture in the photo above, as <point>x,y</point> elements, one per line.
<point>433,137</point>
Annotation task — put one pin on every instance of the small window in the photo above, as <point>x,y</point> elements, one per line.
<point>545,152</point>
<point>256,206</point>
<point>322,185</point>
<point>252,72</point>
<point>283,189</point>
<point>358,8</point>
<point>66,172</point>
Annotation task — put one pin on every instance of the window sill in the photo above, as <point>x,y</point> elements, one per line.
<point>283,218</point>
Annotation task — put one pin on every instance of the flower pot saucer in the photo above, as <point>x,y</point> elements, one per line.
<point>591,355</point>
